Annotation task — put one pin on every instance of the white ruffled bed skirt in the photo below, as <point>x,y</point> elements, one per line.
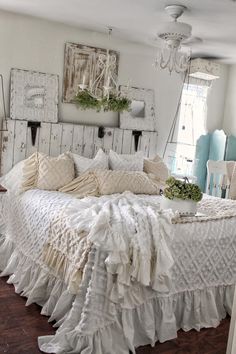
<point>159,318</point>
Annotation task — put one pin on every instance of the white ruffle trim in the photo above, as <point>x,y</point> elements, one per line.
<point>158,318</point>
<point>35,283</point>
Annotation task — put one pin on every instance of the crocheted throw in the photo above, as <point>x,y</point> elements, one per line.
<point>133,232</point>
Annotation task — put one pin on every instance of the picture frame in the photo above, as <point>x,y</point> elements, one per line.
<point>34,96</point>
<point>142,113</point>
<point>81,67</point>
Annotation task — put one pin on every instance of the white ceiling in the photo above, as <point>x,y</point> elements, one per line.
<point>138,20</point>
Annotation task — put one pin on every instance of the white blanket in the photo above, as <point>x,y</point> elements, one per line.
<point>199,293</point>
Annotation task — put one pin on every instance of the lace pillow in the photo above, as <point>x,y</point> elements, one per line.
<point>157,167</point>
<point>124,162</point>
<point>107,182</point>
<point>48,173</point>
<point>83,164</point>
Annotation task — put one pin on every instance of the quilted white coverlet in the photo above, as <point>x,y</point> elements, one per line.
<point>201,280</point>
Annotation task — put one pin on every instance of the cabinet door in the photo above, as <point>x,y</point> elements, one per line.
<point>209,147</point>
<point>230,152</point>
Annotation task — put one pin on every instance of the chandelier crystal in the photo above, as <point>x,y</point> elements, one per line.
<point>172,57</point>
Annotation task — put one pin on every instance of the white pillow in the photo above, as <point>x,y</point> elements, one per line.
<point>125,162</point>
<point>12,180</point>
<point>83,164</point>
<point>157,167</point>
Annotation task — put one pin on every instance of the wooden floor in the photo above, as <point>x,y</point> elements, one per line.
<point>20,326</point>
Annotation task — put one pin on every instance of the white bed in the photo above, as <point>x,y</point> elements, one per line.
<point>196,292</point>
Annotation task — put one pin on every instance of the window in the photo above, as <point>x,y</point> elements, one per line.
<point>191,124</point>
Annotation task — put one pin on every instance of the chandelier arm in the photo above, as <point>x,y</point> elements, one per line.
<point>172,60</point>
<point>183,64</point>
<point>94,89</point>
<point>175,61</point>
<point>164,64</point>
<point>114,81</point>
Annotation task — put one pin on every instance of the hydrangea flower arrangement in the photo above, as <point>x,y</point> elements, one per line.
<point>182,190</point>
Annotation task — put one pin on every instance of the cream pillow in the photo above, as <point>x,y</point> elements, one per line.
<point>83,164</point>
<point>30,171</point>
<point>157,167</point>
<point>125,162</point>
<point>107,182</point>
<point>49,173</point>
<point>54,172</point>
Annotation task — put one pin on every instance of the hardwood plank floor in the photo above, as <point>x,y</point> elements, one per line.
<point>20,326</point>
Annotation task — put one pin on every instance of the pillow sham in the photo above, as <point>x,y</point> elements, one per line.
<point>13,179</point>
<point>49,173</point>
<point>125,162</point>
<point>157,167</point>
<point>97,183</point>
<point>83,164</point>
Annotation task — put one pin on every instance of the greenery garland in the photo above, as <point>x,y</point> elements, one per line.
<point>182,190</point>
<point>115,103</point>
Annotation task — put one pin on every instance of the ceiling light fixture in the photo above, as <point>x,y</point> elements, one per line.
<point>172,57</point>
<point>106,81</point>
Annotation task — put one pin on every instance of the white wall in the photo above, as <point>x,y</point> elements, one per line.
<point>30,43</point>
<point>216,100</point>
<point>229,123</point>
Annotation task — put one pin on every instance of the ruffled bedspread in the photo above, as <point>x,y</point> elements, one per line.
<point>103,317</point>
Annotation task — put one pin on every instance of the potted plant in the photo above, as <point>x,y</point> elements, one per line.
<point>181,196</point>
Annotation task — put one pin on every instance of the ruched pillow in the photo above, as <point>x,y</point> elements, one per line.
<point>97,183</point>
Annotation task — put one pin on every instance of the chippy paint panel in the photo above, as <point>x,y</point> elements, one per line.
<point>55,138</point>
<point>82,66</point>
<point>34,96</point>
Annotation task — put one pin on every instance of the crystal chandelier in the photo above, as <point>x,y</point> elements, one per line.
<point>105,82</point>
<point>173,34</point>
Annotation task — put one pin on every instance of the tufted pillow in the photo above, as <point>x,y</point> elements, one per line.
<point>46,172</point>
<point>157,167</point>
<point>54,172</point>
<point>107,182</point>
<point>125,162</point>
<point>83,164</point>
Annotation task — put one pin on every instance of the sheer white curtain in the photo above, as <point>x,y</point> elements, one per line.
<point>191,124</point>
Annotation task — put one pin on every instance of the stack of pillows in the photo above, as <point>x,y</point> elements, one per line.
<point>81,176</point>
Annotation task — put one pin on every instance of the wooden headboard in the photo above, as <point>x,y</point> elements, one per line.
<point>56,138</point>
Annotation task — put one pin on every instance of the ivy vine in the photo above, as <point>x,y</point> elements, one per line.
<point>115,102</point>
